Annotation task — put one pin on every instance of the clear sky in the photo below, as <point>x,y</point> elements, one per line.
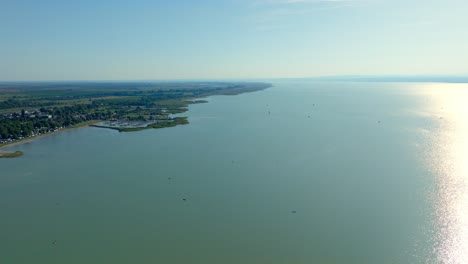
<point>235,39</point>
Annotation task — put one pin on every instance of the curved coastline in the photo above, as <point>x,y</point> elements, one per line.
<point>95,123</point>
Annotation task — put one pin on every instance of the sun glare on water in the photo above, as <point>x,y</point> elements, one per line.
<point>449,161</point>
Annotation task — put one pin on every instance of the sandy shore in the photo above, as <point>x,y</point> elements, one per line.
<point>28,140</point>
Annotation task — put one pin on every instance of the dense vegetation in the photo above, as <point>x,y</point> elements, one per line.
<point>28,110</point>
<point>23,124</point>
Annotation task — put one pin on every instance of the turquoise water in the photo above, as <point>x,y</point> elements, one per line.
<point>303,172</point>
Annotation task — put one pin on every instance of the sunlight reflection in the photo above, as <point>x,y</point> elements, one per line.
<point>449,161</point>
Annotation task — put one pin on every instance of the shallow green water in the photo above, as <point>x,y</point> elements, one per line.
<point>303,172</point>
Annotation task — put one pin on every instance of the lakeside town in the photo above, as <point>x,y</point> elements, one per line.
<point>26,130</point>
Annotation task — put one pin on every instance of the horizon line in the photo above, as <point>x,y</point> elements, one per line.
<point>324,77</point>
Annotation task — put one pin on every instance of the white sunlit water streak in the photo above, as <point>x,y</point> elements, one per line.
<point>449,162</point>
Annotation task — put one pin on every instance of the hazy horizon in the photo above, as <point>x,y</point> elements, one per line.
<point>346,78</point>
<point>230,40</point>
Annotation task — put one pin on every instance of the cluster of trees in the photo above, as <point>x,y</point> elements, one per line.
<point>14,128</point>
<point>23,125</point>
<point>15,103</point>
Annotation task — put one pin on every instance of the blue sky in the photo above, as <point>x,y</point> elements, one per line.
<point>236,39</point>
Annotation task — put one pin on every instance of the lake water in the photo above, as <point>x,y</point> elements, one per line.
<point>304,172</point>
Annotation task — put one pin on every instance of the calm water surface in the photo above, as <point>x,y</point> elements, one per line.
<point>303,172</point>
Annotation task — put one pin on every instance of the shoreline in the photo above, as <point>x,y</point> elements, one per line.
<point>92,123</point>
<point>29,140</point>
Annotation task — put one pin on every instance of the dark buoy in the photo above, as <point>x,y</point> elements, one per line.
<point>293,212</point>
<point>169,178</point>
<point>54,242</point>
<point>183,199</point>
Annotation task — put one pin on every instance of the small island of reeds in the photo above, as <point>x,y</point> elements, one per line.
<point>7,155</point>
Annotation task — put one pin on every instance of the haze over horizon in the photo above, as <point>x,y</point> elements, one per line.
<point>238,39</point>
